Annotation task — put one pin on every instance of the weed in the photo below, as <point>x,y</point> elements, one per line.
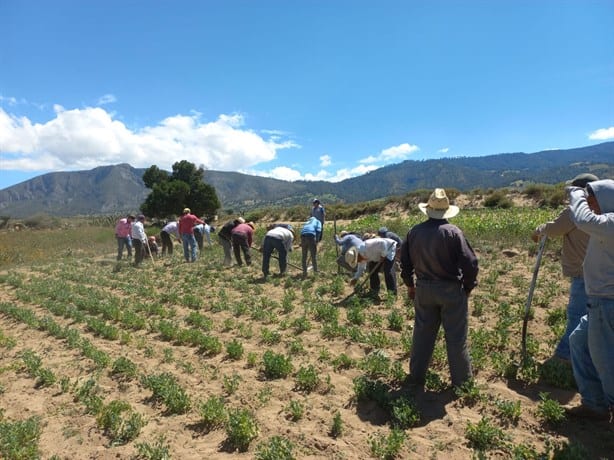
<point>484,435</point>
<point>276,365</point>
<point>165,389</point>
<point>376,364</point>
<point>241,429</point>
<point>405,413</point>
<point>550,411</point>
<point>295,410</point>
<point>231,384</point>
<point>336,429</point>
<point>469,393</point>
<point>387,447</point>
<point>159,450</point>
<point>306,379</point>
<point>234,350</point>
<point>119,422</point>
<point>213,413</point>
<point>252,359</point>
<point>275,448</point>
<point>264,394</point>
<point>508,411</point>
<point>19,440</point>
<point>395,320</point>
<point>343,361</point>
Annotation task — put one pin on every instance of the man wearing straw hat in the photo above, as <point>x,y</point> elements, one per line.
<point>440,269</point>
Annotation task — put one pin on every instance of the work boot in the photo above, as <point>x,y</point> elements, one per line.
<point>584,411</point>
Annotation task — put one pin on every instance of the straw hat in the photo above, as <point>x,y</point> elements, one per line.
<point>351,257</point>
<point>438,206</point>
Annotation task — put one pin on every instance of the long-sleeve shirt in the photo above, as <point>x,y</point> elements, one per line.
<point>187,223</point>
<point>226,230</point>
<point>375,250</point>
<point>349,241</point>
<point>283,234</point>
<point>172,228</point>
<point>205,231</point>
<point>123,228</point>
<point>247,230</point>
<point>319,213</point>
<point>438,250</point>
<point>138,232</point>
<point>312,227</point>
<point>575,242</point>
<point>599,260</point>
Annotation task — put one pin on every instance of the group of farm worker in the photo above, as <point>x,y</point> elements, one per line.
<point>587,258</point>
<point>440,268</point>
<point>188,229</point>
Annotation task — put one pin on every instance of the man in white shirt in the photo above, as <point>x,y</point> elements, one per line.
<point>279,237</point>
<point>374,252</point>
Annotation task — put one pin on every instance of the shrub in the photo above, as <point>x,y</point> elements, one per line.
<point>19,440</point>
<point>387,447</point>
<point>484,435</point>
<point>307,379</point>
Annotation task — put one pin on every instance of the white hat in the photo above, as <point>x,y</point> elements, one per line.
<point>438,206</point>
<point>351,257</point>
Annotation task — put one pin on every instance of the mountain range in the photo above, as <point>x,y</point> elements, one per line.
<point>118,189</point>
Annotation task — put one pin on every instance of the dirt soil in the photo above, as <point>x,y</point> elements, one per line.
<point>69,432</point>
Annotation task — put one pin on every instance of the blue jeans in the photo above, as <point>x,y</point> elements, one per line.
<point>592,354</point>
<point>440,303</point>
<point>121,242</point>
<point>189,247</point>
<point>576,309</point>
<point>268,245</point>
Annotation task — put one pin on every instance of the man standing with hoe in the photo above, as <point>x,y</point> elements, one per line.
<point>575,242</point>
<point>592,342</point>
<point>445,269</point>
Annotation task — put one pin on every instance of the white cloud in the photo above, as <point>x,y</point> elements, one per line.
<point>289,174</point>
<point>602,134</point>
<point>443,150</point>
<point>392,154</point>
<point>90,137</point>
<point>325,160</point>
<point>107,99</point>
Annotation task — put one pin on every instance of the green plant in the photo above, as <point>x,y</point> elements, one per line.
<point>549,410</point>
<point>295,410</point>
<point>159,450</point>
<point>484,435</point>
<point>165,389</point>
<point>124,369</point>
<point>212,413</point>
<point>306,379</point>
<point>469,393</point>
<point>231,384</point>
<point>508,411</point>
<point>19,440</point>
<point>376,364</point>
<point>395,320</point>
<point>119,422</point>
<point>336,428</point>
<point>234,350</point>
<point>275,448</point>
<point>387,447</point>
<point>241,429</point>
<point>276,365</point>
<point>405,413</point>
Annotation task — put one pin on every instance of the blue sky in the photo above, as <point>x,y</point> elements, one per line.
<point>309,89</point>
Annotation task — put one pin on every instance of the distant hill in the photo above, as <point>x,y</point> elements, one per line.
<point>119,188</point>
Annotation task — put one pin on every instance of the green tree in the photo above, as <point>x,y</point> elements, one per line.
<point>184,187</point>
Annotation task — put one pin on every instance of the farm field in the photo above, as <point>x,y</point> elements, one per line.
<point>102,360</point>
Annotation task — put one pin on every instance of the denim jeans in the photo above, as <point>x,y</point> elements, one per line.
<point>189,247</point>
<point>309,247</point>
<point>268,245</point>
<point>576,309</point>
<point>592,354</point>
<point>121,242</point>
<point>440,303</point>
